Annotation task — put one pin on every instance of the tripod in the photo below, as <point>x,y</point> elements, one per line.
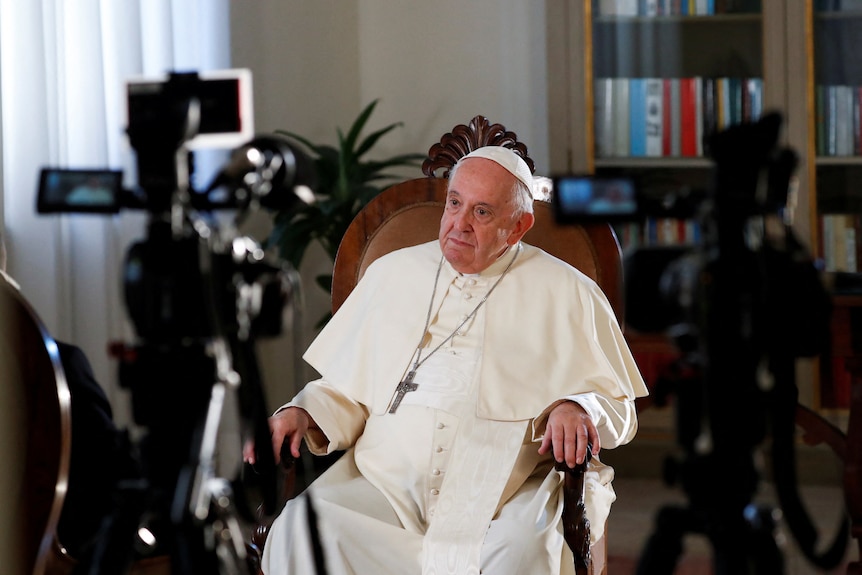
<point>179,506</point>
<point>755,304</point>
<point>719,478</point>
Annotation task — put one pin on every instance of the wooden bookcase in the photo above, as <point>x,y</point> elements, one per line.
<point>794,52</point>
<point>799,52</point>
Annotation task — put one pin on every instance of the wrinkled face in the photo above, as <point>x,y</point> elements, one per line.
<point>479,220</point>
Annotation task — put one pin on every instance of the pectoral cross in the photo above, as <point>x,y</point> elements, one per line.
<point>403,389</point>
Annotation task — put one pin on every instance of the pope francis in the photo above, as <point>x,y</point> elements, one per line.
<point>454,375</point>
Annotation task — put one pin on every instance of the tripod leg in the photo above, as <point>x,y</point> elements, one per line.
<point>764,551</point>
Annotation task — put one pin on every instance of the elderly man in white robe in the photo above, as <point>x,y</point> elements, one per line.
<point>454,375</point>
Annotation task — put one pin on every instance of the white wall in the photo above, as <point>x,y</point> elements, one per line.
<point>438,64</point>
<point>433,65</point>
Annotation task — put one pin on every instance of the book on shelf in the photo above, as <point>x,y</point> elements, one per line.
<point>820,119</point>
<point>844,123</point>
<point>653,120</point>
<point>838,121</point>
<point>839,242</point>
<point>735,94</point>
<point>658,232</point>
<point>666,118</point>
<point>857,121</point>
<point>648,8</point>
<point>603,118</point>
<point>621,105</point>
<point>675,117</point>
<point>699,125</point>
<point>689,114</point>
<point>722,103</point>
<point>753,99</point>
<point>618,7</point>
<point>831,108</point>
<point>637,117</point>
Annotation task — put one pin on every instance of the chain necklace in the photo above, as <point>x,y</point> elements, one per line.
<point>408,384</point>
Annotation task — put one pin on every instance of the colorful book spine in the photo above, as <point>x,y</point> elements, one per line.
<point>654,116</point>
<point>666,123</point>
<point>621,114</point>
<point>708,112</point>
<point>650,8</point>
<point>637,117</point>
<point>688,117</point>
<point>699,126</point>
<point>844,120</point>
<point>831,125</point>
<point>603,117</point>
<point>820,111</point>
<point>754,90</point>
<point>675,118</point>
<point>857,121</point>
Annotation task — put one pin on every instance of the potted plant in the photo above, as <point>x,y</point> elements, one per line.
<point>346,182</point>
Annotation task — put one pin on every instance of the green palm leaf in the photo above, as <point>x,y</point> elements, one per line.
<point>345,184</point>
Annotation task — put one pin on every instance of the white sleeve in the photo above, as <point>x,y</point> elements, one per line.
<point>340,419</point>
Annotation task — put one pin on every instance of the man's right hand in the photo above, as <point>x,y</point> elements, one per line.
<point>289,425</point>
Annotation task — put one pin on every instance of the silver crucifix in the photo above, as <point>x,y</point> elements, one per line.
<point>403,389</point>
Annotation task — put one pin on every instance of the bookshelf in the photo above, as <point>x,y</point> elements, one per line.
<point>749,57</point>
<point>837,77</point>
<point>804,57</point>
<point>666,75</point>
<point>643,83</point>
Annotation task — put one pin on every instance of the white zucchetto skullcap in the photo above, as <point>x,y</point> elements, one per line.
<point>512,162</point>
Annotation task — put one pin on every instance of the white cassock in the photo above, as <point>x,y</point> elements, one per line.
<point>451,483</point>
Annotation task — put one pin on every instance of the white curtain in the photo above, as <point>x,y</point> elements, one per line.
<point>63,64</point>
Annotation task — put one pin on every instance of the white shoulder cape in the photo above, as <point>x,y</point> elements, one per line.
<point>550,333</point>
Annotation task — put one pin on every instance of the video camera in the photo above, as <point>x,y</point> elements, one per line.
<point>751,183</point>
<point>741,304</point>
<point>199,295</point>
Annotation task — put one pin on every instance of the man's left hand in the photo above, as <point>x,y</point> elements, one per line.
<point>568,432</point>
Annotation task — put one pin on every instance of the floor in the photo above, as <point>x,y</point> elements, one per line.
<point>639,499</point>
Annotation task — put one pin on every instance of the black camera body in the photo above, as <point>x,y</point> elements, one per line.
<point>185,279</point>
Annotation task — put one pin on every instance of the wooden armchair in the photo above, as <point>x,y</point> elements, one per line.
<point>409,214</point>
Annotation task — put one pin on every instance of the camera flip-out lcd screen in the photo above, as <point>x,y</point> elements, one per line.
<point>86,191</point>
<point>586,198</point>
